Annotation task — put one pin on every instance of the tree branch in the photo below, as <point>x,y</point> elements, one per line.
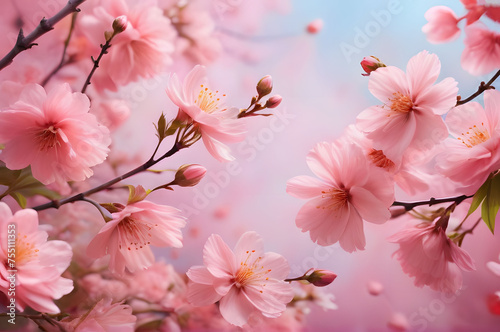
<point>410,205</point>
<point>25,42</point>
<point>482,87</point>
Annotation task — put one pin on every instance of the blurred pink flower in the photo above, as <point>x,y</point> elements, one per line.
<point>315,26</point>
<point>442,26</point>
<point>426,253</point>
<point>38,263</point>
<point>104,316</point>
<point>482,49</point>
<point>398,322</point>
<point>54,133</point>
<point>142,50</point>
<point>205,109</point>
<point>411,114</point>
<point>245,280</point>
<point>349,190</point>
<point>474,152</point>
<point>127,237</point>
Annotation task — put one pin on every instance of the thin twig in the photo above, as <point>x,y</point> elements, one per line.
<point>410,205</point>
<point>482,87</point>
<point>104,50</point>
<point>25,42</point>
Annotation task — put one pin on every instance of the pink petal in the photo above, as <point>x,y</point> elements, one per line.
<point>305,187</point>
<point>422,71</point>
<point>200,275</point>
<point>461,258</point>
<point>277,264</point>
<point>193,81</point>
<point>268,299</point>
<point>218,258</point>
<point>369,206</point>
<point>249,241</point>
<point>491,107</point>
<point>218,150</point>
<point>201,295</point>
<point>353,237</point>
<point>323,161</point>
<point>494,267</point>
<point>439,98</point>
<point>430,130</point>
<point>235,307</point>
<point>386,81</point>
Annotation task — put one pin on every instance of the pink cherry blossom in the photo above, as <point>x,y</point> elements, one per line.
<point>442,26</point>
<point>482,49</point>
<point>410,116</point>
<point>104,316</point>
<point>244,281</point>
<point>473,153</point>
<point>128,236</point>
<point>348,191</point>
<point>428,255</point>
<point>204,108</point>
<point>53,133</point>
<point>38,263</point>
<point>142,50</point>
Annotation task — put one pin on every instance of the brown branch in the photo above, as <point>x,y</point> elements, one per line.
<point>410,205</point>
<point>25,42</point>
<point>482,87</point>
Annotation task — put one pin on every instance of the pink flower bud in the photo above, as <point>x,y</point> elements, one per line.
<point>189,175</point>
<point>371,63</point>
<point>375,288</point>
<point>274,101</point>
<point>398,322</point>
<point>315,26</point>
<point>265,86</point>
<point>120,24</point>
<point>320,278</point>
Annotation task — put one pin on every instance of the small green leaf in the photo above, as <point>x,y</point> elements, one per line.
<point>479,196</point>
<point>173,126</point>
<point>161,126</point>
<point>137,194</point>
<point>491,203</point>
<point>20,199</point>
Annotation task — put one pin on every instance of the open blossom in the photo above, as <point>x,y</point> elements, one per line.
<point>426,253</point>
<point>244,281</point>
<point>127,237</point>
<point>53,133</point>
<point>481,54</point>
<point>205,110</point>
<point>348,191</point>
<point>442,26</point>
<point>104,316</point>
<point>142,50</point>
<point>473,153</point>
<point>410,116</point>
<point>39,263</point>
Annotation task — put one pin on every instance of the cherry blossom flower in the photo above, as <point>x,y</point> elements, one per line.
<point>472,154</point>
<point>53,133</point>
<point>426,253</point>
<point>442,26</point>
<point>38,263</point>
<point>482,49</point>
<point>127,237</point>
<point>413,105</point>
<point>104,316</point>
<point>244,281</point>
<point>204,108</point>
<point>142,50</point>
<point>348,190</point>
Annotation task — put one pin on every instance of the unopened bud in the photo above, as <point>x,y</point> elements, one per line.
<point>375,288</point>
<point>274,101</point>
<point>120,24</point>
<point>371,63</point>
<point>265,86</point>
<point>321,278</point>
<point>189,175</point>
<point>315,26</point>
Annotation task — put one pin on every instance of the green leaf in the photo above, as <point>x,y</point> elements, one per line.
<point>173,126</point>
<point>479,196</point>
<point>160,127</point>
<point>491,203</point>
<point>20,199</point>
<point>137,194</point>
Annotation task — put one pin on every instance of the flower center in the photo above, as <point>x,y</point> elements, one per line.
<point>47,138</point>
<point>401,103</point>
<point>208,101</point>
<point>25,250</point>
<point>474,136</point>
<point>379,159</point>
<point>337,198</point>
<point>133,233</point>
<point>250,271</point>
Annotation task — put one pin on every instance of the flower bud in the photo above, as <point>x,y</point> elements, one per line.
<point>120,24</point>
<point>371,63</point>
<point>189,175</point>
<point>320,278</point>
<point>274,101</point>
<point>265,86</point>
<point>375,288</point>
<point>314,26</point>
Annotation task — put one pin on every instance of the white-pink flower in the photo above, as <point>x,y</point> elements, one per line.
<point>481,54</point>
<point>244,281</point>
<point>128,236</point>
<point>442,26</point>
<point>473,153</point>
<point>37,264</point>
<point>142,50</point>
<point>53,133</point>
<point>426,253</point>
<point>348,191</point>
<point>205,109</point>
<point>410,116</point>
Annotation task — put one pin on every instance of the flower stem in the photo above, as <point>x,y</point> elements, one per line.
<point>482,87</point>
<point>410,205</point>
<point>104,50</point>
<point>25,42</point>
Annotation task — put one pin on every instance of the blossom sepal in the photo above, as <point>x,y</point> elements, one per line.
<point>137,194</point>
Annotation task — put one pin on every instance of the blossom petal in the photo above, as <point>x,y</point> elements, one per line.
<point>218,258</point>
<point>353,237</point>
<point>235,307</point>
<point>201,295</point>
<point>422,71</point>
<point>305,187</point>
<point>369,206</point>
<point>386,81</point>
